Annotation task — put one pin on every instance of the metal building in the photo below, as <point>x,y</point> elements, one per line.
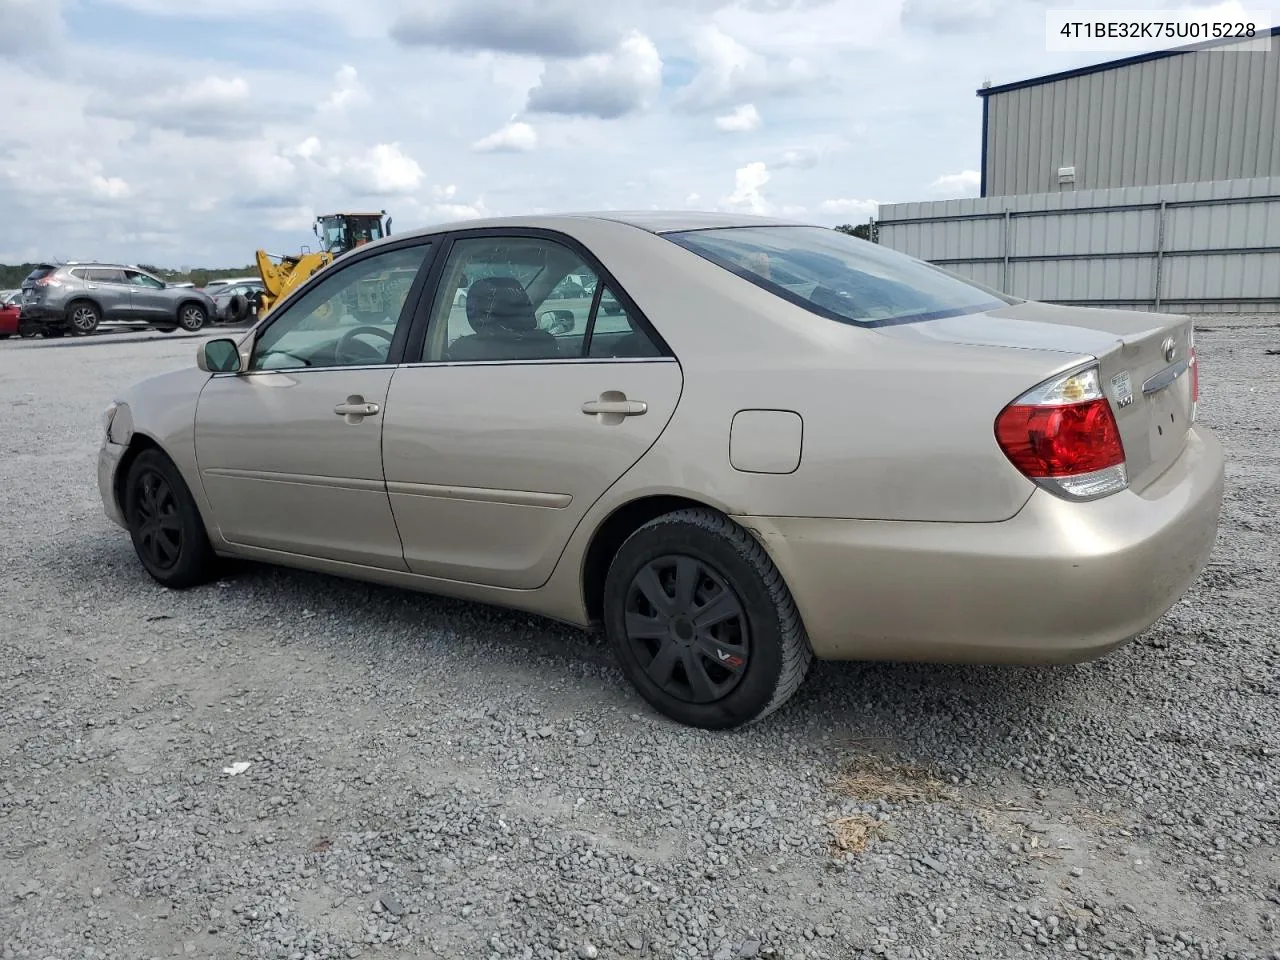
<point>1193,114</point>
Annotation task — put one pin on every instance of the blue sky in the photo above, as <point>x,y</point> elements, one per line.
<point>183,134</point>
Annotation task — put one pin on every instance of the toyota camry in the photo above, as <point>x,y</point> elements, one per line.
<point>734,444</point>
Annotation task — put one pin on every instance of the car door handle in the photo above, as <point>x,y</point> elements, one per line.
<point>618,408</point>
<point>355,408</point>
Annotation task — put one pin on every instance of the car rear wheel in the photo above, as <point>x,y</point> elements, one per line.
<point>702,623</point>
<point>83,317</point>
<point>164,522</point>
<point>192,317</point>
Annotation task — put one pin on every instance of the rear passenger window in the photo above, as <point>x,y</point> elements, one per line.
<point>616,334</point>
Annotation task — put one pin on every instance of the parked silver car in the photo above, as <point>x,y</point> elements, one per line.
<point>76,297</point>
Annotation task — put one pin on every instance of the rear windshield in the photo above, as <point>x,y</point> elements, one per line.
<point>838,276</point>
<point>39,273</point>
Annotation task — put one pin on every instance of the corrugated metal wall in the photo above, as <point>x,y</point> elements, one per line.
<point>1185,248</point>
<point>1208,115</point>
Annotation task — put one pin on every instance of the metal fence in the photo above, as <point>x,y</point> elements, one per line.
<point>1180,248</point>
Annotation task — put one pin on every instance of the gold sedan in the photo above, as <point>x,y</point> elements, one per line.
<point>734,443</point>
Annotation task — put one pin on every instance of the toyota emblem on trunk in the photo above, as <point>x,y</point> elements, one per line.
<point>1170,349</point>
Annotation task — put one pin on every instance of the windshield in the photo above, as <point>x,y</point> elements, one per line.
<point>838,276</point>
<point>341,234</point>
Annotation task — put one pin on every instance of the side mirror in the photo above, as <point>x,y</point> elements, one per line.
<point>219,356</point>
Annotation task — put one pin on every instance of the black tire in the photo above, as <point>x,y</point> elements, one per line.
<point>192,317</point>
<point>27,332</point>
<point>5,336</point>
<point>53,332</point>
<point>765,635</point>
<point>83,318</point>
<point>238,308</point>
<point>165,525</point>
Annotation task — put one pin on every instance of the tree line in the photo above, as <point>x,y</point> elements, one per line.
<point>11,276</point>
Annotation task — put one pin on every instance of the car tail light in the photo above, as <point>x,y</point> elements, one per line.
<point>1063,435</point>
<point>48,282</point>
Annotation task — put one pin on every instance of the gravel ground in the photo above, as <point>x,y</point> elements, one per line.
<point>427,778</point>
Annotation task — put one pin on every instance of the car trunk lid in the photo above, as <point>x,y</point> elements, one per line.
<point>1143,361</point>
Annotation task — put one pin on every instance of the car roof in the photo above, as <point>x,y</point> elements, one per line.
<point>653,221</point>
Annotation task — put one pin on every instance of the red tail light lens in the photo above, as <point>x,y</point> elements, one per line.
<point>1060,441</point>
<point>1064,435</point>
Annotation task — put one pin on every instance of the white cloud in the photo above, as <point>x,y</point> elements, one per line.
<point>110,188</point>
<point>384,169</point>
<point>742,120</point>
<point>729,72</point>
<point>604,85</point>
<point>802,158</point>
<point>966,183</point>
<point>746,196</point>
<point>347,89</point>
<point>308,149</point>
<point>515,137</point>
<point>849,207</point>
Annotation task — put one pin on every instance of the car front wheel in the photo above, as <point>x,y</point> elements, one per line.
<point>702,623</point>
<point>164,522</point>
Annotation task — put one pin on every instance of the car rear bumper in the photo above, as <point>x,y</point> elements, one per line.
<point>41,313</point>
<point>109,457</point>
<point>1060,582</point>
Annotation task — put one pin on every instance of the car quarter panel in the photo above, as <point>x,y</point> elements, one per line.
<point>1059,583</point>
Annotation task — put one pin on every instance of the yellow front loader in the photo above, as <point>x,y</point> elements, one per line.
<point>338,233</point>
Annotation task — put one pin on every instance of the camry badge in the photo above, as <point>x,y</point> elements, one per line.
<point>1170,350</point>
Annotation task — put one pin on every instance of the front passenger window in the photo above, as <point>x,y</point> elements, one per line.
<point>348,319</point>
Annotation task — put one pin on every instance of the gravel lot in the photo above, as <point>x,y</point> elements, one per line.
<point>429,778</point>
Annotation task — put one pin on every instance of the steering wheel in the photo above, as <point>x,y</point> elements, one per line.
<point>367,352</point>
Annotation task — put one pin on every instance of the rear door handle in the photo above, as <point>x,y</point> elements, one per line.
<point>356,409</point>
<point>619,408</point>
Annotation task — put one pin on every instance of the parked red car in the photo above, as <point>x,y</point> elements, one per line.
<point>9,310</point>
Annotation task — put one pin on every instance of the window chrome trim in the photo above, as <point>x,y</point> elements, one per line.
<point>444,363</point>
<point>293,370</point>
<point>551,361</point>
